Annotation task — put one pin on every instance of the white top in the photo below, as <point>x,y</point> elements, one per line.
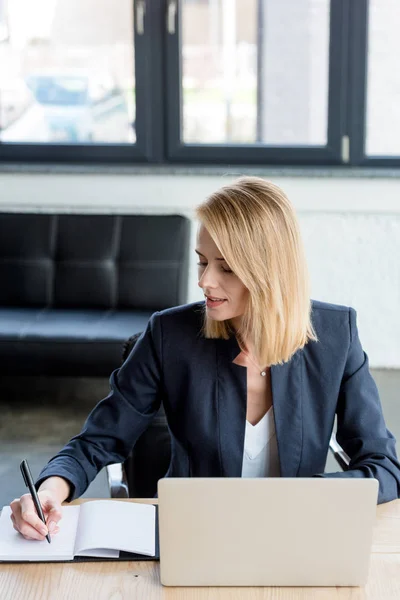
<point>260,456</point>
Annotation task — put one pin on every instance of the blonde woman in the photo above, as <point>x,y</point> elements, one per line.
<point>250,378</point>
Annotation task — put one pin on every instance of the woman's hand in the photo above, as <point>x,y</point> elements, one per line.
<point>52,492</point>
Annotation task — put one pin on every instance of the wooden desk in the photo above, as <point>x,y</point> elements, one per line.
<point>140,580</point>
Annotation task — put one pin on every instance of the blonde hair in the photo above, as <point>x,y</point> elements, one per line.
<point>255,228</point>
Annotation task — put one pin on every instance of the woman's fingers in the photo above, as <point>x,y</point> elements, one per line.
<point>29,532</point>
<point>52,517</point>
<point>26,519</point>
<point>29,515</point>
<point>26,530</point>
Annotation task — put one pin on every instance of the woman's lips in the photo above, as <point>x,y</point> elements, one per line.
<point>213,303</point>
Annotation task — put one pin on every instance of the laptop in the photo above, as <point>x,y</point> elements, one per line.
<point>266,531</point>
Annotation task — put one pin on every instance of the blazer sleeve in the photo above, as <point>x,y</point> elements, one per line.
<point>116,422</point>
<point>361,428</point>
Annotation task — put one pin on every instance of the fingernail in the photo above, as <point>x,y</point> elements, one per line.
<point>43,530</point>
<point>52,527</point>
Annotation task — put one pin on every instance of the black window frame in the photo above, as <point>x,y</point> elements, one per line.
<point>331,154</point>
<point>148,126</point>
<point>358,69</point>
<point>159,106</point>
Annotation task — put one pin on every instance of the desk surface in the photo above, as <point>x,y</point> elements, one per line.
<point>140,580</point>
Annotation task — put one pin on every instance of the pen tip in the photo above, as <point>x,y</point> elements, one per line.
<point>48,539</point>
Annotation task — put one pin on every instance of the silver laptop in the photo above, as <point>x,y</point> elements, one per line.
<point>266,532</point>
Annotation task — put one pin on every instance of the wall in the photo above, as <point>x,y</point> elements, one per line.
<point>350,226</point>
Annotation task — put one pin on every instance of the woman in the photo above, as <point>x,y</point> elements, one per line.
<point>250,380</point>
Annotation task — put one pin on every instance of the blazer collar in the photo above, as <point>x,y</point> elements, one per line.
<point>286,382</point>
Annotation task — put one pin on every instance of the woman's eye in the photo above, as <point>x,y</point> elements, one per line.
<point>223,269</point>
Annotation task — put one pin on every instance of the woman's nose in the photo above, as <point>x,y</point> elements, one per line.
<point>207,279</point>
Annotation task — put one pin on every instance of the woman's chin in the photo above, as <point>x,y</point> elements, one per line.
<point>211,315</point>
<point>216,314</point>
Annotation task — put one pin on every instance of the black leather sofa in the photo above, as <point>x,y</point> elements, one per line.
<point>74,287</point>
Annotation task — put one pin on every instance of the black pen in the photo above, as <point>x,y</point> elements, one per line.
<point>27,475</point>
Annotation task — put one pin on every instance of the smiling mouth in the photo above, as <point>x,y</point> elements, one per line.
<point>214,302</point>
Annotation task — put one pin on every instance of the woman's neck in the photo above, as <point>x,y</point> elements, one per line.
<point>244,344</point>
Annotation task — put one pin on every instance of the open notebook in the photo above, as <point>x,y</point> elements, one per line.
<point>94,530</point>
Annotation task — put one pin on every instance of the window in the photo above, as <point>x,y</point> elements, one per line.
<point>256,81</point>
<point>67,79</point>
<point>383,79</point>
<point>255,72</point>
<point>70,65</point>
<point>311,82</point>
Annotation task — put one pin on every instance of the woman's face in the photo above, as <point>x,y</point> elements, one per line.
<point>226,296</point>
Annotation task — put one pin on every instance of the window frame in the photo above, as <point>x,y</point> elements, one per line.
<point>331,154</point>
<point>148,127</point>
<point>358,75</point>
<point>159,106</point>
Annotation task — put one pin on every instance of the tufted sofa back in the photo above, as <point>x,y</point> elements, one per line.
<point>93,261</point>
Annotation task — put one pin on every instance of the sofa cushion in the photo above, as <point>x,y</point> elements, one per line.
<point>74,287</point>
<point>93,261</point>
<point>65,341</point>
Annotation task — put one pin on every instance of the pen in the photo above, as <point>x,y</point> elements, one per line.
<point>27,475</point>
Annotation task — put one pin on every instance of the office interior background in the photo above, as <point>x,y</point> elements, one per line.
<point>147,106</point>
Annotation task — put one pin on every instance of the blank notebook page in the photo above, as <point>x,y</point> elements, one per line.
<point>116,525</point>
<point>14,546</point>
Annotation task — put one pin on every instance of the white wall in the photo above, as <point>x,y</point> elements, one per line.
<point>351,230</point>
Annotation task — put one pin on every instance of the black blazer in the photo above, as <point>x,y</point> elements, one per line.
<point>204,396</point>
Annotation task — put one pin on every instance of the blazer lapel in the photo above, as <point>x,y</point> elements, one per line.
<point>286,382</point>
<point>231,403</point>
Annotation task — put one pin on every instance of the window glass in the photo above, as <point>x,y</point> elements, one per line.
<point>67,71</point>
<point>383,79</point>
<point>255,71</point>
